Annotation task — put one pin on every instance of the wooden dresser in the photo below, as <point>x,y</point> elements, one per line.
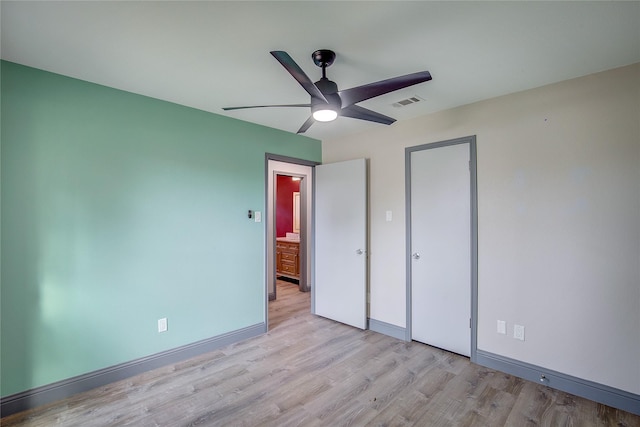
<point>287,258</point>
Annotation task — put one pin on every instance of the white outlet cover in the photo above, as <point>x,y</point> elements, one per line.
<point>258,216</point>
<point>388,216</point>
<point>518,332</point>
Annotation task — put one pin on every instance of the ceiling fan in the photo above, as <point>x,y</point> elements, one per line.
<point>327,102</point>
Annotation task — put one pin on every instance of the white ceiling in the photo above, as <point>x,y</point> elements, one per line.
<point>211,54</point>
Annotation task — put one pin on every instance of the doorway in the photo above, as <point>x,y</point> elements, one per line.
<point>302,169</point>
<point>335,194</point>
<point>287,228</point>
<point>442,245</point>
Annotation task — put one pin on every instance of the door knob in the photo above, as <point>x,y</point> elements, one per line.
<point>416,255</point>
<point>359,251</point>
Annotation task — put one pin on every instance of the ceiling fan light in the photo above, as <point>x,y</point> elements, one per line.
<point>325,115</point>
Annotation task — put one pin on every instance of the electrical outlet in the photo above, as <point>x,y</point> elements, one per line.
<point>258,216</point>
<point>502,327</point>
<point>162,325</point>
<point>388,216</point>
<point>518,332</point>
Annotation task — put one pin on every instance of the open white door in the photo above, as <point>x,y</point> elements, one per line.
<point>341,242</point>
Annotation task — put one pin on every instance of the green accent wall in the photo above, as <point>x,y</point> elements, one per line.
<point>117,210</point>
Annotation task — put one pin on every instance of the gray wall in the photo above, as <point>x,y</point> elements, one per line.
<point>558,221</point>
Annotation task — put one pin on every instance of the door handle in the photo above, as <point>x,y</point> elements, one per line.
<point>416,255</point>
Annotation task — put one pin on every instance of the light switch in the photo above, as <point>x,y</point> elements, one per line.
<point>258,216</point>
<point>162,325</point>
<point>502,327</point>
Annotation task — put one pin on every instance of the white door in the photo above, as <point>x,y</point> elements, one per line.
<point>341,242</point>
<point>441,247</point>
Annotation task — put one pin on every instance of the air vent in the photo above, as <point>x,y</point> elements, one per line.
<point>405,102</point>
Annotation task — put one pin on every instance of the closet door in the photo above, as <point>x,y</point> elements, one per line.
<point>441,247</point>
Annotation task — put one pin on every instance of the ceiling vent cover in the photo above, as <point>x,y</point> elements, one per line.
<point>405,102</point>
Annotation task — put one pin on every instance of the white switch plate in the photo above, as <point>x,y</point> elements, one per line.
<point>518,332</point>
<point>162,325</point>
<point>502,327</point>
<point>258,216</point>
<point>388,216</point>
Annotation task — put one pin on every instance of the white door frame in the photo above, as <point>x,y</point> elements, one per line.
<point>471,140</point>
<point>283,165</point>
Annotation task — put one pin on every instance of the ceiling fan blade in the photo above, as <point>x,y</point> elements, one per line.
<point>290,65</point>
<point>266,106</point>
<point>306,125</point>
<point>361,93</point>
<point>358,112</point>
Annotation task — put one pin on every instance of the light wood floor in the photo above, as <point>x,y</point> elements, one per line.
<point>310,371</point>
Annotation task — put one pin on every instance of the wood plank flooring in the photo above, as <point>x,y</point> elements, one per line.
<point>311,371</point>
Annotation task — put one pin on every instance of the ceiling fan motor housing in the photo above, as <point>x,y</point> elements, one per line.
<point>326,86</point>
<point>330,91</point>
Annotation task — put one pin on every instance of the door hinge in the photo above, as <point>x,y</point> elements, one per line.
<point>469,323</point>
